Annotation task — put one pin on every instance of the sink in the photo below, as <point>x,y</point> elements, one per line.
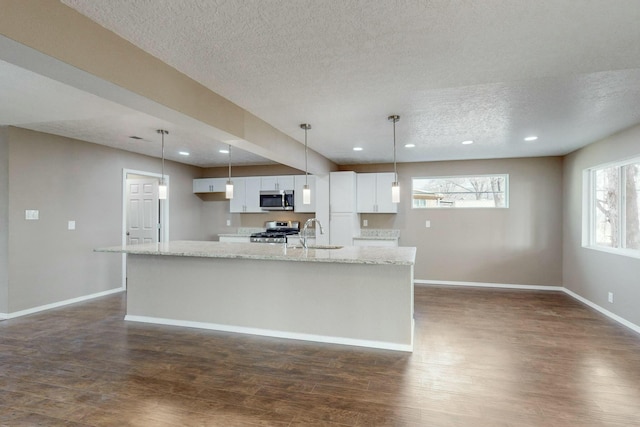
<point>318,247</point>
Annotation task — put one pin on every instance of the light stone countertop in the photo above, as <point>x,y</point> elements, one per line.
<point>277,252</point>
<point>378,234</point>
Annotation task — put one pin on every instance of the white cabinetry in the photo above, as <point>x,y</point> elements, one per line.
<point>342,192</point>
<point>297,194</point>
<point>343,219</point>
<point>209,185</point>
<point>277,183</point>
<point>246,195</point>
<point>374,193</point>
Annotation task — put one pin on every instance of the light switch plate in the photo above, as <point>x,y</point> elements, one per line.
<point>32,214</point>
<point>427,224</point>
<point>365,222</point>
<point>71,225</point>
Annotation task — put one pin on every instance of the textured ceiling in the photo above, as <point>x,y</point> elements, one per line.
<point>491,71</point>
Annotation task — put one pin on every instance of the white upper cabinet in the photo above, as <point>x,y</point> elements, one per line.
<point>209,185</point>
<point>276,183</point>
<point>246,195</point>
<point>374,193</point>
<point>299,183</point>
<point>342,191</point>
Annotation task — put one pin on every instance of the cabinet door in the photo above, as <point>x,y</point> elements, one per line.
<point>237,204</point>
<point>252,194</point>
<point>209,185</point>
<point>286,182</point>
<point>342,228</point>
<point>342,191</point>
<point>383,193</point>
<point>299,183</point>
<point>366,193</point>
<point>269,183</point>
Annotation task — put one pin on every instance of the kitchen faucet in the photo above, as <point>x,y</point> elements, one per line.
<point>303,237</point>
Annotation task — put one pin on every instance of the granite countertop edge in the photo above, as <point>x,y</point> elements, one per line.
<point>206,249</point>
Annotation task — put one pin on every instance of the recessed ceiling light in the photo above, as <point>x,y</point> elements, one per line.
<point>467,142</point>
<point>183,153</point>
<point>409,145</point>
<point>224,151</point>
<point>357,148</point>
<point>531,138</point>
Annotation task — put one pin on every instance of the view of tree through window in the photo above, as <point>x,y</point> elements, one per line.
<point>616,206</point>
<point>484,191</point>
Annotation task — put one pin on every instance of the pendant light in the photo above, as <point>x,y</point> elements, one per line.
<point>395,187</point>
<point>306,191</point>
<point>228,193</point>
<point>162,188</point>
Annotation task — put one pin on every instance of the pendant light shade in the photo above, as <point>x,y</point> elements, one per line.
<point>395,186</point>
<point>306,191</point>
<point>228,193</point>
<point>162,187</point>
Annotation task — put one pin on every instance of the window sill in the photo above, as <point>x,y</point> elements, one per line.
<point>624,252</point>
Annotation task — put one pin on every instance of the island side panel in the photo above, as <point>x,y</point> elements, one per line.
<point>364,302</point>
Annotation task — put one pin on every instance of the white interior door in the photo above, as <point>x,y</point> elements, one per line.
<point>143,215</point>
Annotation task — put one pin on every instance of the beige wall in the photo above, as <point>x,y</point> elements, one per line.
<point>66,179</point>
<point>519,245</point>
<point>591,273</point>
<point>4,218</point>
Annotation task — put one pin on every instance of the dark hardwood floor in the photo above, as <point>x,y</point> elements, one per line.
<point>483,357</point>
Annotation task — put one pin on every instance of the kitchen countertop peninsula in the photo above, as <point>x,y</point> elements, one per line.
<point>272,252</point>
<point>358,296</point>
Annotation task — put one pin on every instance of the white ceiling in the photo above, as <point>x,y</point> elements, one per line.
<point>492,71</point>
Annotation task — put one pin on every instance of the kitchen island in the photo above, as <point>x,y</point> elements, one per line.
<point>359,296</point>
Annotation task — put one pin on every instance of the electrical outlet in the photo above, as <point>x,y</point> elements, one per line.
<point>32,214</point>
<point>228,223</point>
<point>365,222</point>
<point>427,224</point>
<point>71,225</point>
<point>611,297</point>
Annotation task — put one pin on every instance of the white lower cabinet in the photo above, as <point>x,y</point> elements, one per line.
<point>342,227</point>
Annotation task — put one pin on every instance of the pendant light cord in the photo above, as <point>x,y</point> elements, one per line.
<point>394,118</point>
<point>163,133</point>
<point>229,162</point>
<point>306,127</point>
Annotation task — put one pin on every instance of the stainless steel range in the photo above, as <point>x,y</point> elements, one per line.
<point>276,232</point>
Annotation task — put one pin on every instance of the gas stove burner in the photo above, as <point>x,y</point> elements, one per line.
<point>276,232</point>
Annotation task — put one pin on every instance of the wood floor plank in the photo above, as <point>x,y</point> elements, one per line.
<point>483,357</point>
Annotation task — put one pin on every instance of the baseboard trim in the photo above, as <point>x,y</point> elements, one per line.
<point>273,333</point>
<point>604,311</point>
<point>488,285</point>
<point>569,292</point>
<point>6,316</point>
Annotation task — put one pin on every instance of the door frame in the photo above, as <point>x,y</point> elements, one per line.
<point>164,213</point>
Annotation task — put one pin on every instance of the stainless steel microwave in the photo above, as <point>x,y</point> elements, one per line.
<point>281,200</point>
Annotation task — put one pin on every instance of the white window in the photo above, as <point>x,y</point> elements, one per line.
<point>613,207</point>
<point>466,191</point>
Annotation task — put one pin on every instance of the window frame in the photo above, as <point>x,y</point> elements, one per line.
<point>589,223</point>
<point>506,190</point>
